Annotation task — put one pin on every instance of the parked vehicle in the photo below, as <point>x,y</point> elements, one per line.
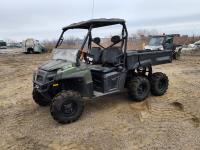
<point>164,42</point>
<point>76,75</point>
<point>3,44</point>
<point>32,46</point>
<point>195,45</point>
<point>14,45</point>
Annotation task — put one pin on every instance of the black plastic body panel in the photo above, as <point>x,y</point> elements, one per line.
<point>108,82</point>
<point>77,84</point>
<point>148,58</point>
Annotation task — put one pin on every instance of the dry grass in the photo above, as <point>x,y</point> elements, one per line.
<point>132,43</point>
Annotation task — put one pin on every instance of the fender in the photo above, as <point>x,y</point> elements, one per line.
<point>78,79</point>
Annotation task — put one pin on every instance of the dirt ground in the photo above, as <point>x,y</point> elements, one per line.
<point>110,123</point>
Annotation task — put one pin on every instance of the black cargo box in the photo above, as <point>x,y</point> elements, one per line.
<point>105,82</point>
<point>147,58</point>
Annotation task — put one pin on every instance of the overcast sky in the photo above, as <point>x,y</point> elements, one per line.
<point>43,19</point>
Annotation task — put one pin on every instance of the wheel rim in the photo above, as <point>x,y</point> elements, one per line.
<point>142,89</point>
<point>69,108</point>
<point>162,84</point>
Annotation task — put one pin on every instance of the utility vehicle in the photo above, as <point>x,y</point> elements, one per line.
<point>32,46</point>
<point>195,45</point>
<point>165,42</point>
<point>76,75</point>
<point>3,45</point>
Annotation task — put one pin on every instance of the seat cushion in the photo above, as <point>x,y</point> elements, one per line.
<point>102,69</point>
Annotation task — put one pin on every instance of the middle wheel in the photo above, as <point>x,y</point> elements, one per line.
<point>139,88</point>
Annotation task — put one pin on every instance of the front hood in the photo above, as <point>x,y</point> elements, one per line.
<point>55,65</point>
<point>159,47</point>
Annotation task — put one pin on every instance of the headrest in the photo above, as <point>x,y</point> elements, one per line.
<point>115,39</point>
<point>97,40</point>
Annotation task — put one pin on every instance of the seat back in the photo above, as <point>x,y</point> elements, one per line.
<point>96,52</point>
<point>110,56</point>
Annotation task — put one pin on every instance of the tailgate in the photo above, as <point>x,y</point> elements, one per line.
<point>155,57</point>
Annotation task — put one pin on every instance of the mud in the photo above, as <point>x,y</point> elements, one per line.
<point>113,122</point>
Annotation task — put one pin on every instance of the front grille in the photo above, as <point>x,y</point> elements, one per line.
<point>44,76</point>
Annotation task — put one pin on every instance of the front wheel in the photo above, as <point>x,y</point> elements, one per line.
<point>40,99</point>
<point>159,83</point>
<point>139,88</point>
<point>67,107</point>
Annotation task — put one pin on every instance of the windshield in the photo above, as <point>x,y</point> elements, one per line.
<point>65,54</point>
<point>69,45</point>
<point>72,39</point>
<point>156,41</point>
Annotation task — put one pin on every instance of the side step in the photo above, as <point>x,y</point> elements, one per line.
<point>100,94</point>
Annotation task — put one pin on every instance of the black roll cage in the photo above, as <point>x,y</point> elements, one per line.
<point>124,39</point>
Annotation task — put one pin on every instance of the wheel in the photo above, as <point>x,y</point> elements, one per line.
<point>144,71</point>
<point>30,51</point>
<point>39,99</point>
<point>177,55</point>
<point>138,88</point>
<point>67,107</point>
<point>159,83</point>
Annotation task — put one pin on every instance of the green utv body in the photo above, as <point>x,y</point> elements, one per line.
<point>74,76</point>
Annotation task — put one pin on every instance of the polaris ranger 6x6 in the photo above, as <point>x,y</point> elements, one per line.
<point>76,75</point>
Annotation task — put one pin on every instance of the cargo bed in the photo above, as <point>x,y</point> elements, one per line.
<point>146,58</point>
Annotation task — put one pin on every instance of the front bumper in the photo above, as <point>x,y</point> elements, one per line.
<point>42,87</point>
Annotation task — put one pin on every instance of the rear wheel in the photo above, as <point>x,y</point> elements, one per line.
<point>138,88</point>
<point>67,107</point>
<point>40,99</point>
<point>177,55</point>
<point>30,51</point>
<point>159,83</point>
